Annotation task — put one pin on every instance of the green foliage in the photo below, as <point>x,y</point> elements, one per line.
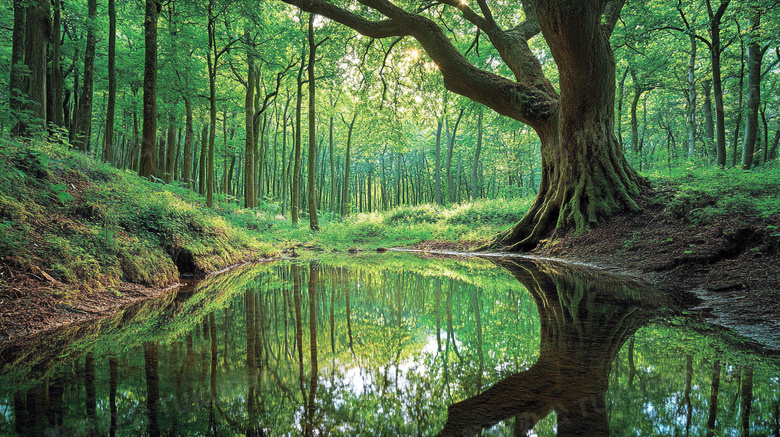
<point>89,224</point>
<point>703,195</point>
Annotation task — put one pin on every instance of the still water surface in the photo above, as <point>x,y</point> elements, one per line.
<point>395,345</point>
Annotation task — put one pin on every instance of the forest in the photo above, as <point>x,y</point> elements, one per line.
<point>427,217</point>
<point>261,102</point>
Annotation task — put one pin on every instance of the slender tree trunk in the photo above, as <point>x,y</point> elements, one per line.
<point>58,116</point>
<point>738,118</point>
<point>332,167</point>
<point>250,197</point>
<point>108,143</point>
<point>295,201</point>
<point>450,148</point>
<point>170,154</point>
<point>148,164</point>
<point>755,55</point>
<point>475,183</point>
<point>204,145</point>
<point>189,133</point>
<point>715,52</point>
<point>692,98</point>
<point>85,111</point>
<point>621,88</point>
<point>709,127</point>
<point>313,224</point>
<point>17,81</point>
<point>211,61</point>
<point>345,194</point>
<point>437,170</point>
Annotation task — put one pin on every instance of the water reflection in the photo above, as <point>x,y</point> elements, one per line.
<point>420,347</point>
<point>586,317</point>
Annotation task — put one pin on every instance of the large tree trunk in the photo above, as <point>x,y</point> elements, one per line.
<point>709,127</point>
<point>585,176</point>
<point>108,144</point>
<point>85,111</point>
<point>148,165</point>
<point>33,87</point>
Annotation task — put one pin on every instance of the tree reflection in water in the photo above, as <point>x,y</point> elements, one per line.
<point>383,349</point>
<point>585,319</point>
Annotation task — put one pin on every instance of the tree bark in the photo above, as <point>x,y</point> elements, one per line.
<point>475,183</point>
<point>295,200</point>
<point>57,109</point>
<point>85,111</point>
<point>189,133</point>
<point>709,127</point>
<point>692,98</point>
<point>17,82</point>
<point>250,197</point>
<point>345,193</point>
<point>450,147</point>
<point>170,154</point>
<point>715,52</point>
<point>437,170</point>
<point>108,143</point>
<point>313,223</point>
<point>148,164</point>
<point>754,57</point>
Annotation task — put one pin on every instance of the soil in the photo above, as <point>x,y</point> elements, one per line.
<point>732,265</point>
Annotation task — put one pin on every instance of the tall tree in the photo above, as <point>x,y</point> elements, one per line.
<point>716,50</point>
<point>313,223</point>
<point>108,143</point>
<point>84,125</point>
<point>754,57</point>
<point>148,164</point>
<point>28,88</point>
<point>250,195</point>
<point>58,117</point>
<point>585,176</point>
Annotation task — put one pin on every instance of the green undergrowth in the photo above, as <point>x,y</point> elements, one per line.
<point>468,223</point>
<point>702,195</point>
<point>69,218</point>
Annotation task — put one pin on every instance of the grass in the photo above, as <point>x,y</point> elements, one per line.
<point>66,217</point>
<point>702,195</point>
<point>77,221</point>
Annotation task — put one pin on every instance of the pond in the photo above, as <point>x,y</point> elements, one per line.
<point>392,345</point>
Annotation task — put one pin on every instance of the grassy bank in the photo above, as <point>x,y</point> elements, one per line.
<point>67,218</point>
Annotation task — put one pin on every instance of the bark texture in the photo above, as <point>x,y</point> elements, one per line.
<point>148,164</point>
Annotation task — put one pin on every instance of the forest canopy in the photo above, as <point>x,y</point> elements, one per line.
<point>331,107</point>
